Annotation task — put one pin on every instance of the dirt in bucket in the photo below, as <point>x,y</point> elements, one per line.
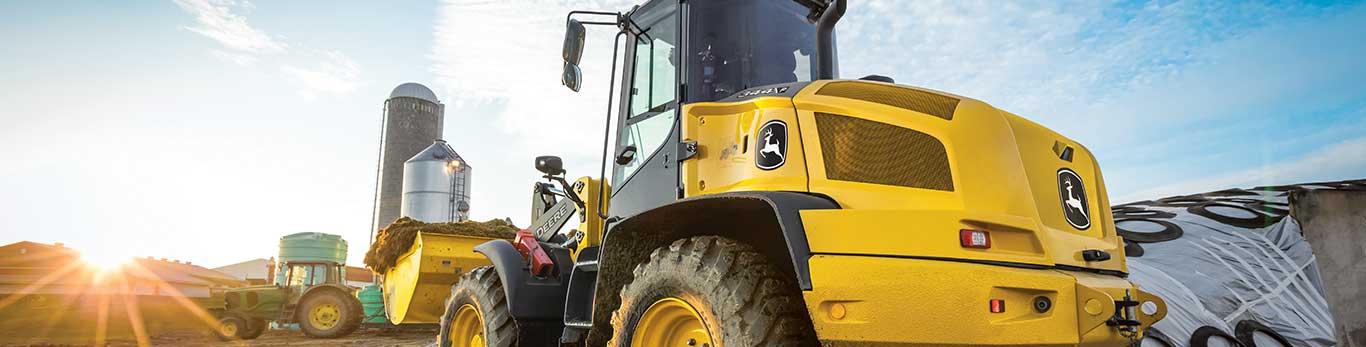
<point>398,238</point>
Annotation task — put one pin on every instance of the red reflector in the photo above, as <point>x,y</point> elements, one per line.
<point>974,238</point>
<point>998,305</point>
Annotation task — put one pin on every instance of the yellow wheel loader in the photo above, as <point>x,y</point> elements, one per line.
<point>754,199</point>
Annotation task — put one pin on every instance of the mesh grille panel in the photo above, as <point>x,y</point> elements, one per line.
<point>861,150</point>
<point>907,98</point>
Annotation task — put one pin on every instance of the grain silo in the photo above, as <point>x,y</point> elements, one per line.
<point>436,185</point>
<point>412,121</point>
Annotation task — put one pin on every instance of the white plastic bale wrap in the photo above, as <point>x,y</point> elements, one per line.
<point>1231,267</point>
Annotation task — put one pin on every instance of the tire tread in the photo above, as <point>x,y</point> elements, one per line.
<point>481,285</point>
<point>755,303</point>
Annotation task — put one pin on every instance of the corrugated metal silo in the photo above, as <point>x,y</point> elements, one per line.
<point>436,185</point>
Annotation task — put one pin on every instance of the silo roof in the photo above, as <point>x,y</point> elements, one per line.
<point>438,151</point>
<point>414,90</point>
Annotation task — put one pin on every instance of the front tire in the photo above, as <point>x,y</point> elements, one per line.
<point>231,326</point>
<point>710,291</point>
<point>255,327</point>
<point>477,313</point>
<point>329,314</point>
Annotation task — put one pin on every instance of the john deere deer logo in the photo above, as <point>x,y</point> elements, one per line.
<point>1073,196</point>
<point>773,148</point>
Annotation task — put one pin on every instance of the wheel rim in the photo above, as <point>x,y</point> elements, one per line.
<point>324,316</point>
<point>467,328</point>
<point>670,322</point>
<point>227,329</point>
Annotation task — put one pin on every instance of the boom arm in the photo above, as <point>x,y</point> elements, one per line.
<point>553,219</point>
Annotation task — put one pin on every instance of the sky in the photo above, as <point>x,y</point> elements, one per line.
<point>203,130</point>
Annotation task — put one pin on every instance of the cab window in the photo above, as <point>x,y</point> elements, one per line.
<point>319,274</point>
<point>298,275</point>
<point>312,274</point>
<point>653,90</point>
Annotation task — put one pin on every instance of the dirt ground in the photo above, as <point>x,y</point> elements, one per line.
<point>369,337</point>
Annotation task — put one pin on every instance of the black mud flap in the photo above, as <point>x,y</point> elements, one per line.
<point>536,304</point>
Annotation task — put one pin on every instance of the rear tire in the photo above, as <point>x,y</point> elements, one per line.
<point>739,297</point>
<point>479,293</point>
<point>329,314</point>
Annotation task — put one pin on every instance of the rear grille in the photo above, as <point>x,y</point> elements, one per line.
<point>906,98</point>
<point>861,150</point>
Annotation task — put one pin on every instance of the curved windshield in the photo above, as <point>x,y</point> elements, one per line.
<point>737,44</point>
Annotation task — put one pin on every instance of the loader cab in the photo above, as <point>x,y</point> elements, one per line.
<point>695,51</point>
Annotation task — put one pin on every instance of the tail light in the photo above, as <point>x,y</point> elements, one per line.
<point>974,238</point>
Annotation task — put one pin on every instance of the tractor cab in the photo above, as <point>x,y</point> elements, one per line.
<point>299,276</point>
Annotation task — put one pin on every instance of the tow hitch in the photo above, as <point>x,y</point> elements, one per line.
<point>1126,317</point>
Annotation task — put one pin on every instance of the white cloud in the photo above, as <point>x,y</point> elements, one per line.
<point>1331,163</point>
<point>235,58</point>
<point>517,71</point>
<point>220,20</point>
<point>335,74</point>
<point>1057,62</point>
<point>217,20</point>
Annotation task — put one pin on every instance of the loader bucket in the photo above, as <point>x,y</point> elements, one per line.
<point>415,289</point>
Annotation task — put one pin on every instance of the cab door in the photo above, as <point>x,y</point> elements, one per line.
<point>645,166</point>
<point>296,280</point>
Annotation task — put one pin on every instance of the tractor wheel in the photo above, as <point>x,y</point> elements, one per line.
<point>477,313</point>
<point>231,326</point>
<point>255,327</point>
<point>710,291</point>
<point>329,314</point>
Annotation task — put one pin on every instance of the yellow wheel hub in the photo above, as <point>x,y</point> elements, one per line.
<point>467,328</point>
<point>227,329</point>
<point>324,316</point>
<point>670,322</point>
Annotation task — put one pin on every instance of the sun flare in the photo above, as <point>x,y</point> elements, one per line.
<point>103,262</point>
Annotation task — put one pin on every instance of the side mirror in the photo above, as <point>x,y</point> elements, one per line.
<point>574,34</point>
<point>571,76</point>
<point>550,165</point>
<point>573,42</point>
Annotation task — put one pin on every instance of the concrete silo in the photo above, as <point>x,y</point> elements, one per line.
<point>413,119</point>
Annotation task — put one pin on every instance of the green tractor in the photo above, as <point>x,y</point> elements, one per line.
<point>314,295</point>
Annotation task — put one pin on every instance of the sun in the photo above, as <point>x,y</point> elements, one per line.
<point>105,262</point>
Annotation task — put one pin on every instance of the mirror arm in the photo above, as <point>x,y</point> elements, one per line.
<point>617,16</point>
<point>598,23</point>
<point>568,190</point>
